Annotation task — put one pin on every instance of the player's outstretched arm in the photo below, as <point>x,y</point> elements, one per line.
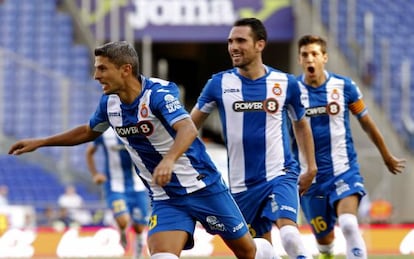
<point>394,165</point>
<point>75,136</point>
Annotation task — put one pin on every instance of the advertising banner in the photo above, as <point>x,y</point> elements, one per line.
<point>185,20</point>
<point>104,242</point>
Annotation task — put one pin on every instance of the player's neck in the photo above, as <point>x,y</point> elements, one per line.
<point>316,81</point>
<point>132,89</point>
<point>253,71</point>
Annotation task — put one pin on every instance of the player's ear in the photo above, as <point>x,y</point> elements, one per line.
<point>126,68</point>
<point>325,58</point>
<point>260,45</point>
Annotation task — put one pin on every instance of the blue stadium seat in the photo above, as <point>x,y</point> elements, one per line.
<point>31,184</point>
<point>25,27</point>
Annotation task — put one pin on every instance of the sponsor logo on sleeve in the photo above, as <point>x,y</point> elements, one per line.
<point>171,103</point>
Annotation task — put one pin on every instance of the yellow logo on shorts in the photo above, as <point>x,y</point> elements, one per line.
<point>152,222</point>
<point>119,205</point>
<point>252,231</point>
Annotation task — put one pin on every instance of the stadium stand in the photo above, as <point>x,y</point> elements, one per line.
<point>43,69</point>
<point>380,47</point>
<point>30,182</point>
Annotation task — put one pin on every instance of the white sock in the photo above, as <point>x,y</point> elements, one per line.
<point>138,246</point>
<point>326,249</point>
<point>292,242</point>
<point>355,244</point>
<point>164,256</point>
<point>264,249</point>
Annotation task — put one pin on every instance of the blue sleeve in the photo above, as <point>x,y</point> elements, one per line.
<point>99,120</point>
<point>353,90</point>
<point>353,94</point>
<point>295,106</point>
<point>165,102</point>
<point>207,100</point>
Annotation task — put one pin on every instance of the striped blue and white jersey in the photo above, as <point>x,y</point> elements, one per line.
<point>119,169</point>
<point>328,109</point>
<point>254,115</point>
<point>145,128</point>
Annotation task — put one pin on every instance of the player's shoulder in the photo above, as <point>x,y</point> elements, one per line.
<point>156,83</point>
<point>106,98</point>
<point>274,72</point>
<point>159,87</point>
<point>216,78</point>
<point>220,74</point>
<point>347,80</point>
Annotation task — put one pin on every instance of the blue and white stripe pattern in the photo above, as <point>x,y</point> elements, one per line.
<point>145,128</point>
<point>255,117</point>
<point>119,168</point>
<point>328,109</point>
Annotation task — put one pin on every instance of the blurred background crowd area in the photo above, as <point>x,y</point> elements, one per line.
<point>47,86</point>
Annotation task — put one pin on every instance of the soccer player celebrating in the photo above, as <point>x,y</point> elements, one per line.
<point>173,163</point>
<point>255,102</point>
<point>334,196</point>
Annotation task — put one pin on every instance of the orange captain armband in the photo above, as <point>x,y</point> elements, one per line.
<point>357,107</point>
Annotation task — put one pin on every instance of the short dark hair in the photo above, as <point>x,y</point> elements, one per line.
<point>311,39</point>
<point>258,29</point>
<point>119,53</point>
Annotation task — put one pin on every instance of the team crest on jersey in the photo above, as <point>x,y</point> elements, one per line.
<point>335,94</point>
<point>276,89</point>
<point>144,111</point>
